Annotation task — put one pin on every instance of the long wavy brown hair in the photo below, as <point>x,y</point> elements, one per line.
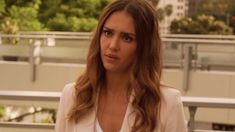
<point>145,71</point>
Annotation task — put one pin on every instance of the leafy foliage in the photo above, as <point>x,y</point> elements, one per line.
<point>26,17</point>
<point>202,24</point>
<point>62,23</point>
<point>2,7</point>
<point>2,111</point>
<point>161,14</point>
<point>164,12</point>
<point>71,15</point>
<point>168,9</point>
<point>9,26</point>
<point>53,15</point>
<point>220,9</point>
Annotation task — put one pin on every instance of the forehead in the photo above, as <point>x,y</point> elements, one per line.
<point>120,21</point>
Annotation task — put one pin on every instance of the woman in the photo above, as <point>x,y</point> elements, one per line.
<point>120,89</point>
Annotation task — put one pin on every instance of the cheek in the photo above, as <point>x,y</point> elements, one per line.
<point>134,49</point>
<point>134,53</point>
<point>102,43</point>
<point>131,54</point>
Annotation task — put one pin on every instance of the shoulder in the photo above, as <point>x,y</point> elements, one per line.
<point>171,99</point>
<point>172,113</point>
<point>170,94</point>
<point>68,88</point>
<point>66,100</point>
<point>68,93</point>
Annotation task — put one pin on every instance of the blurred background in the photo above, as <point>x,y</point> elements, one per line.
<point>44,43</point>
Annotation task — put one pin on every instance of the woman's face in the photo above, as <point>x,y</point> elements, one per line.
<point>118,42</point>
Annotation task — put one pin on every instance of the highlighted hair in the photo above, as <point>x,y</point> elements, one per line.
<point>145,71</point>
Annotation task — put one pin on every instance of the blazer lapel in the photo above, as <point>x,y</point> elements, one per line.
<point>129,116</point>
<point>87,124</point>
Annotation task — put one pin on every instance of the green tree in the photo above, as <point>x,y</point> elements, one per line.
<point>26,17</point>
<point>48,9</point>
<point>220,9</point>
<point>202,24</point>
<point>71,15</point>
<point>72,23</point>
<point>168,10</point>
<point>53,15</point>
<point>9,26</point>
<point>2,111</point>
<point>24,13</point>
<point>216,8</point>
<point>165,11</point>
<point>181,26</point>
<point>230,15</point>
<point>2,7</point>
<point>161,14</point>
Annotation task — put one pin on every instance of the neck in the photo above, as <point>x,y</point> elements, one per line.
<point>117,83</point>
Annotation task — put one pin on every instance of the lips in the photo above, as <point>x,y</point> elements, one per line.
<point>111,58</point>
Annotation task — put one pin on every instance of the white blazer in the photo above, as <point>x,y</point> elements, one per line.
<point>171,114</point>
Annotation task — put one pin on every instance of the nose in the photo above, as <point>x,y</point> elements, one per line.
<point>114,43</point>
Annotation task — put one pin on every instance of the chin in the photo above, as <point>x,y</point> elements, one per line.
<point>110,68</point>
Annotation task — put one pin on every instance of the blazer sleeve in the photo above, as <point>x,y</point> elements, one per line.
<point>176,120</point>
<point>60,125</point>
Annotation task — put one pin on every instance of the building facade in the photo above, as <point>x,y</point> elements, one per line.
<point>179,10</point>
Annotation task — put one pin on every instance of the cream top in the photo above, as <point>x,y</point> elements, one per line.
<point>171,114</point>
<point>97,126</point>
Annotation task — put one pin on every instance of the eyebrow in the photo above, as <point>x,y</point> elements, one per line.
<point>126,33</point>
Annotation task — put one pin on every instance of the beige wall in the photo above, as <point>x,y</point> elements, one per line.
<point>50,77</point>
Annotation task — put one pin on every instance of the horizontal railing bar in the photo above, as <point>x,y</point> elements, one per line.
<point>191,102</point>
<point>54,96</point>
<point>45,37</point>
<point>176,39</point>
<point>57,33</point>
<point>193,36</point>
<point>27,125</point>
<point>30,95</point>
<point>162,35</point>
<point>171,40</point>
<point>199,41</point>
<point>209,102</point>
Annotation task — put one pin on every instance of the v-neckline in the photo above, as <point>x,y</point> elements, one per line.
<point>127,112</point>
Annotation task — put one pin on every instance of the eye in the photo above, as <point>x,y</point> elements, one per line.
<point>107,32</point>
<point>127,38</point>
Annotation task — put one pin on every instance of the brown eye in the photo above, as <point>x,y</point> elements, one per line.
<point>107,33</point>
<point>127,38</point>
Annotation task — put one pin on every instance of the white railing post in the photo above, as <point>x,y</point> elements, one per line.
<point>187,64</point>
<point>192,113</point>
<point>34,57</point>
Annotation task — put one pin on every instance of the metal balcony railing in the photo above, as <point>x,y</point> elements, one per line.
<point>185,52</point>
<point>193,103</point>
